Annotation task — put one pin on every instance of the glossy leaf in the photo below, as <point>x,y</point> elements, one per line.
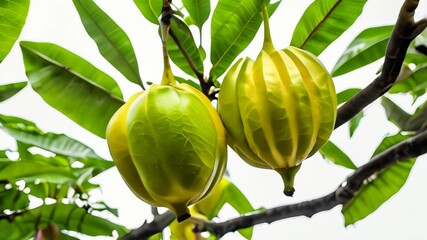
<point>151,9</point>
<point>381,187</point>
<point>35,170</point>
<point>345,95</point>
<point>234,25</point>
<point>272,7</point>
<point>367,47</point>
<point>185,37</point>
<point>8,90</point>
<point>101,206</point>
<point>112,41</point>
<point>48,189</point>
<point>354,123</point>
<point>199,11</point>
<point>66,216</point>
<point>418,120</point>
<point>333,153</point>
<point>56,143</point>
<point>71,85</point>
<point>189,82</point>
<point>13,199</point>
<point>13,14</point>
<point>415,83</point>
<point>404,120</point>
<point>323,22</point>
<point>394,113</point>
<point>16,120</point>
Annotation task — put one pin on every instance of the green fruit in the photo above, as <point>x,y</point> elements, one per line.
<point>176,146</point>
<point>278,110</point>
<point>119,150</point>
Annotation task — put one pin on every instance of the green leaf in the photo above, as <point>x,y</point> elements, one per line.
<point>415,83</point>
<point>185,38</point>
<point>189,82</point>
<point>35,170</point>
<point>15,230</point>
<point>395,114</point>
<point>13,199</point>
<point>389,141</point>
<point>380,188</point>
<point>112,41</point>
<point>234,25</point>
<point>19,121</point>
<point>354,123</point>
<point>333,153</point>
<point>367,47</point>
<point>199,11</point>
<point>48,189</point>
<point>56,143</point>
<point>67,217</point>
<point>71,85</point>
<point>418,120</point>
<point>272,7</point>
<point>345,95</point>
<point>8,90</point>
<point>323,22</point>
<point>151,9</point>
<point>13,14</point>
<point>225,192</point>
<point>102,206</point>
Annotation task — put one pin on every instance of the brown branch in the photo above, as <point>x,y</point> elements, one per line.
<point>410,148</point>
<point>159,223</point>
<point>404,32</point>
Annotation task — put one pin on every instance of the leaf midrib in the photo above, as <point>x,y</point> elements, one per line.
<point>320,23</point>
<point>233,43</point>
<point>111,43</point>
<point>69,70</point>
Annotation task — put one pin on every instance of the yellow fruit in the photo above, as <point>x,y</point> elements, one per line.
<point>119,150</point>
<point>278,110</point>
<point>169,145</point>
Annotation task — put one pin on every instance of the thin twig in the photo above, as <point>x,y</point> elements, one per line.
<point>405,30</point>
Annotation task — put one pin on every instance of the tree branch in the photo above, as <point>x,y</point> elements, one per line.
<point>410,148</point>
<point>159,223</point>
<point>404,32</point>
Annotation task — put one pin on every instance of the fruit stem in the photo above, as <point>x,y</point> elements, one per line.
<point>288,176</point>
<point>268,43</point>
<point>165,18</point>
<point>181,211</point>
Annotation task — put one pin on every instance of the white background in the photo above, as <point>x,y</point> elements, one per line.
<point>402,217</point>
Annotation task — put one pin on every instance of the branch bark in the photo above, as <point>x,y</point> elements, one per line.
<point>410,148</point>
<point>406,29</point>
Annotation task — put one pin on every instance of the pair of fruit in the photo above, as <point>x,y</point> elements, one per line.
<point>169,144</point>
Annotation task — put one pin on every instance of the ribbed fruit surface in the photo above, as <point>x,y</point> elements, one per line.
<point>278,110</point>
<point>176,146</point>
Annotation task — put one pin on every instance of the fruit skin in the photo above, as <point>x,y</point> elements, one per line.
<point>278,110</point>
<point>119,149</point>
<point>176,144</point>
